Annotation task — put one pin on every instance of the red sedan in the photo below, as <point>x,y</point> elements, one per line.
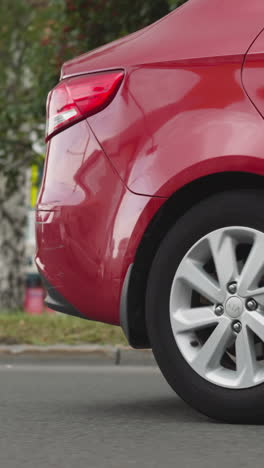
<point>151,211</point>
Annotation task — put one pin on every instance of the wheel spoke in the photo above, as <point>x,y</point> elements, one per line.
<point>193,273</point>
<point>223,250</point>
<point>255,321</point>
<point>245,357</point>
<point>252,268</point>
<point>212,351</point>
<point>193,319</point>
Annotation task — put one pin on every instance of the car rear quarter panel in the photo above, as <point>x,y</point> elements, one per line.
<point>173,123</point>
<point>182,111</point>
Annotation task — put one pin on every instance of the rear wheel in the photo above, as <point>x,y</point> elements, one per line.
<point>205,306</point>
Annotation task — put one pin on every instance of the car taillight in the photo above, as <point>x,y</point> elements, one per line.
<point>74,99</point>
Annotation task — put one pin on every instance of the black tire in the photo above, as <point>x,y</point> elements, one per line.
<point>232,208</point>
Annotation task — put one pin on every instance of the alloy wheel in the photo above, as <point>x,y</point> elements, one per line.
<point>217,307</point>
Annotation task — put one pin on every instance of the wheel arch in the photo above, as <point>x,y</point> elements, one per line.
<point>133,296</point>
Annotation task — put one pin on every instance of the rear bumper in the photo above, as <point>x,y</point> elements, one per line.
<point>55,301</point>
<point>75,260</point>
<point>88,227</point>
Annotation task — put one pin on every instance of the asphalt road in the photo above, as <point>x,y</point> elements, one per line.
<point>72,416</point>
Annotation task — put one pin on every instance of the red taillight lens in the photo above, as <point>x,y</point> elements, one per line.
<point>76,98</point>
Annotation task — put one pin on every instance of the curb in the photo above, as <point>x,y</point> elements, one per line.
<point>113,355</point>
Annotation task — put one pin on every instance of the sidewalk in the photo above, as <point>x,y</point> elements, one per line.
<point>97,354</point>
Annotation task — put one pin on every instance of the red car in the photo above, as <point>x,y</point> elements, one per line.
<point>151,211</point>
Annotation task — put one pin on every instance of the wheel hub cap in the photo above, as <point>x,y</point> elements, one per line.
<point>234,307</point>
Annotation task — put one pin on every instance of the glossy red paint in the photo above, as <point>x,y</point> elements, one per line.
<point>88,224</point>
<point>169,126</point>
<point>182,112</point>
